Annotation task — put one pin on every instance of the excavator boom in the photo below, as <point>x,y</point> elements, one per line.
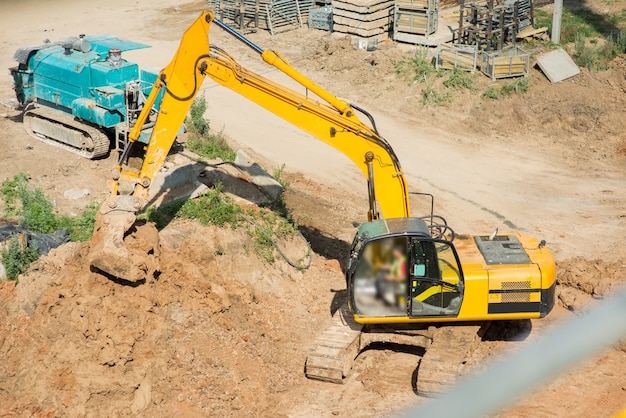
<point>334,122</point>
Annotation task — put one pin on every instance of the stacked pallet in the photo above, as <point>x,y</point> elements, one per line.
<point>367,19</point>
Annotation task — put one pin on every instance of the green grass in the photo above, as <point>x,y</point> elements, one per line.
<point>195,121</point>
<point>31,208</point>
<point>201,141</point>
<point>596,38</point>
<point>212,208</point>
<point>431,96</point>
<point>506,89</point>
<point>211,147</point>
<point>416,66</point>
<point>459,79</point>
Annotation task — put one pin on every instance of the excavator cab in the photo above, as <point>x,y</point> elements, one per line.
<point>397,270</point>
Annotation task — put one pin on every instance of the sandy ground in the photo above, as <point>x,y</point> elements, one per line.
<point>224,334</point>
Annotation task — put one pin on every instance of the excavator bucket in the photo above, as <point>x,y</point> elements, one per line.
<point>122,248</point>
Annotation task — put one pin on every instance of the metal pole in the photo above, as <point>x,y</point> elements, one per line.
<point>556,21</point>
<point>239,36</point>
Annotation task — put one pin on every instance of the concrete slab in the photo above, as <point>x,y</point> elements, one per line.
<point>557,65</point>
<point>177,180</point>
<point>363,6</point>
<point>258,175</point>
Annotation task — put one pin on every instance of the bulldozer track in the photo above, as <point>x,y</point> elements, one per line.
<point>96,142</point>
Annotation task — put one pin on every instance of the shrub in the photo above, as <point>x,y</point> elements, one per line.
<point>460,80</point>
<point>36,209</point>
<point>195,121</point>
<point>416,66</point>
<point>200,140</point>
<point>17,259</point>
<point>211,147</point>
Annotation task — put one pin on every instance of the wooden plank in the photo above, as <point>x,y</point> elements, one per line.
<point>529,31</point>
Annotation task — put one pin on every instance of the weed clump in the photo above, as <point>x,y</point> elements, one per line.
<point>201,141</point>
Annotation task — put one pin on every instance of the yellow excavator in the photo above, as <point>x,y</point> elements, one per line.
<point>410,280</point>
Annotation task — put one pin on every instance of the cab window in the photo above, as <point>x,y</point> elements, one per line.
<point>435,282</point>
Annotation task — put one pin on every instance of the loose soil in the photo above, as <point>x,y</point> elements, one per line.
<point>221,332</point>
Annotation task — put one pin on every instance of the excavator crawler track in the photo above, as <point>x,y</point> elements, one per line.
<point>446,346</point>
<point>335,349</point>
<point>445,357</point>
<point>64,131</point>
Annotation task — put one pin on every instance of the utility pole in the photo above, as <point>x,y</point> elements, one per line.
<point>556,21</point>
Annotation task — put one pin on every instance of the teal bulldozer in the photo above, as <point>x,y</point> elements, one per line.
<point>81,94</point>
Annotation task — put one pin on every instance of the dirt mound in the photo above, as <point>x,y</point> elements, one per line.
<point>217,333</point>
<point>81,342</point>
<point>583,282</point>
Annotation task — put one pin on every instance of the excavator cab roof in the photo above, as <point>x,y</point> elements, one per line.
<point>393,226</point>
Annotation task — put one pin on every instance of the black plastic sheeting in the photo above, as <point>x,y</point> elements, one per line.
<point>44,242</point>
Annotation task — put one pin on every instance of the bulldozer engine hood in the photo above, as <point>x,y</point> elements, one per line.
<point>99,44</point>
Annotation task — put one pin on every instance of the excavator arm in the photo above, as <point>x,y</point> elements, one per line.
<point>129,188</point>
<point>328,119</point>
<point>322,115</point>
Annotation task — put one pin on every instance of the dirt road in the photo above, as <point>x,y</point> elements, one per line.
<point>226,334</point>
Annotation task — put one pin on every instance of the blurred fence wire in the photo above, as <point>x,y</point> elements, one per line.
<point>519,373</point>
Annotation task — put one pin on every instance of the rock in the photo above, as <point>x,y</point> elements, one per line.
<point>74,194</point>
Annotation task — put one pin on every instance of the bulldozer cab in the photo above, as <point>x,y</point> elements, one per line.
<point>396,269</point>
